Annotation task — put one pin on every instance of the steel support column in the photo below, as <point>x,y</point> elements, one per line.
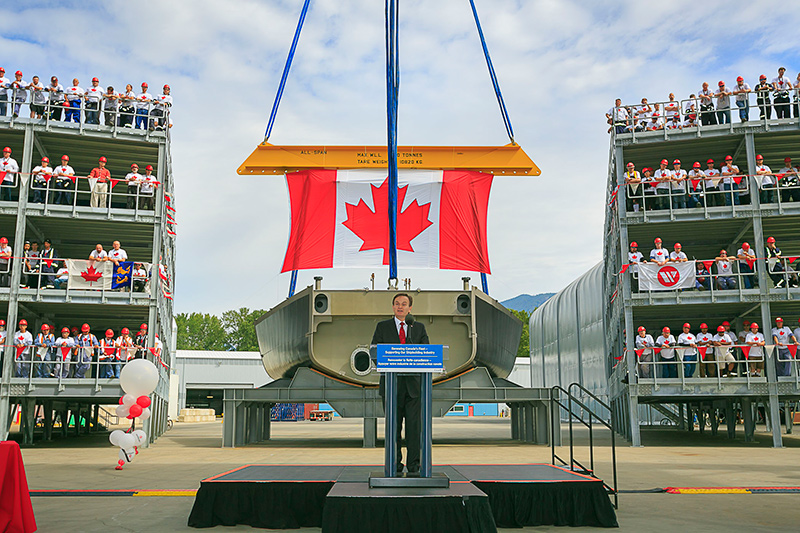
<point>370,432</point>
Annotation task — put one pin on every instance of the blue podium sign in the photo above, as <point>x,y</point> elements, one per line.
<point>410,358</point>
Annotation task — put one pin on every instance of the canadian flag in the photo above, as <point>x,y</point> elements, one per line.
<point>340,219</point>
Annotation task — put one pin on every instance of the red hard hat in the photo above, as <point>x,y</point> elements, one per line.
<point>166,86</point>
<point>721,84</point>
<point>696,164</point>
<point>677,245</point>
<point>641,328</point>
<point>703,325</point>
<point>103,159</point>
<point>676,162</point>
<point>134,165</point>
<point>745,246</point>
<point>787,159</point>
<point>710,161</point>
<point>149,167</point>
<point>74,329</point>
<point>746,322</point>
<point>687,325</point>
<point>720,329</point>
<point>85,328</point>
<point>3,240</point>
<point>2,322</point>
<point>65,328</point>
<point>95,79</point>
<point>728,158</point>
<point>65,157</point>
<point>656,114</point>
<point>109,333</point>
<point>665,328</point>
<point>18,73</point>
<point>45,327</point>
<point>125,331</point>
<point>759,156</point>
<point>658,239</point>
<point>45,159</point>
<point>630,164</point>
<point>144,326</point>
<point>779,319</point>
<point>23,322</point>
<point>634,244</point>
<point>770,239</point>
<point>753,325</point>
<point>740,78</point>
<point>726,323</point>
<point>7,149</point>
<point>762,77</point>
<point>2,69</point>
<point>144,84</point>
<point>664,162</point>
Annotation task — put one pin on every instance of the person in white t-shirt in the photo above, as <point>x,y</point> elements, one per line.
<point>755,357</point>
<point>64,346</point>
<point>143,100</point>
<point>38,97</point>
<point>617,117</point>
<point>655,122</point>
<point>127,107</point>
<point>56,98</point>
<point>649,186</point>
<point>74,96</point>
<point>725,279</point>
<point>139,277</point>
<point>706,96</point>
<point>746,259</point>
<point>62,277</point>
<point>723,96</point>
<point>19,91</point>
<point>6,254</point>
<point>782,337</point>
<point>24,354</point>
<point>110,106</point>
<point>711,186</point>
<point>740,92</point>
<point>63,183</point>
<point>688,340</point>
<point>41,175</point>
<point>789,183</point>
<point>781,87</point>
<point>4,85</point>
<point>663,177</point>
<point>659,255</point>
<point>645,343</point>
<point>147,189</point>
<point>723,342</point>
<point>117,254</point>
<point>728,182</point>
<point>678,185</point>
<point>93,96</point>
<point>672,108</point>
<point>634,258</point>
<point>8,165</point>
<point>690,112</point>
<point>161,105</point>
<point>702,280</point>
<point>767,181</point>
<point>705,339</point>
<point>666,342</point>
<point>695,177</point>
<point>133,179</point>
<point>677,256</point>
<point>98,254</point>
<point>796,331</point>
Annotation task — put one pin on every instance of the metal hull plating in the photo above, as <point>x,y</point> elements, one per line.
<point>321,329</point>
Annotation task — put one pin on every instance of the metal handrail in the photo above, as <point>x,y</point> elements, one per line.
<point>573,462</point>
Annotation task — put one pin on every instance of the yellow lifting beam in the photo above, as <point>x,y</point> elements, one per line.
<point>498,160</point>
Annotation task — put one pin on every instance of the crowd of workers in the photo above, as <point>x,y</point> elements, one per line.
<point>75,353</point>
<point>118,108</point>
<point>775,95</point>
<point>715,354</point>
<point>722,273</point>
<point>57,185</point>
<point>676,188</point>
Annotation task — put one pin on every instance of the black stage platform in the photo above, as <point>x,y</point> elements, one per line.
<point>338,499</point>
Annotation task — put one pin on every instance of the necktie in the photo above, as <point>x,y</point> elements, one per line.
<point>402,332</point>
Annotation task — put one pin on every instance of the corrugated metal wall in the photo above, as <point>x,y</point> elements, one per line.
<point>567,336</point>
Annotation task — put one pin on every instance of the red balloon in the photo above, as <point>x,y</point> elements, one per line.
<point>120,399</point>
<point>143,401</point>
<point>135,410</point>
<point>129,417</point>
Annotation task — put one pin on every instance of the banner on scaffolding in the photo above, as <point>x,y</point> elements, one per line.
<point>669,277</point>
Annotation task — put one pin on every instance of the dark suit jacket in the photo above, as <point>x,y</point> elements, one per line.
<point>386,333</point>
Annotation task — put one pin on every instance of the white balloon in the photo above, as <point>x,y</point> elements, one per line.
<point>126,455</point>
<point>128,400</point>
<point>145,414</point>
<point>139,377</point>
<point>126,441</point>
<point>140,436</point>
<point>115,436</point>
<point>122,411</point>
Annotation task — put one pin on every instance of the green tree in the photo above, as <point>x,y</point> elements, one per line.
<point>525,340</point>
<point>200,331</point>
<point>240,327</point>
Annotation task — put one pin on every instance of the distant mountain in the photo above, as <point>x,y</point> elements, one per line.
<point>527,302</point>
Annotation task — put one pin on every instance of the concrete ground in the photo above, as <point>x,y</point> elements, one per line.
<point>191,452</point>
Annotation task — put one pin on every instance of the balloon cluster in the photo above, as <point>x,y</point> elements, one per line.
<point>138,379</point>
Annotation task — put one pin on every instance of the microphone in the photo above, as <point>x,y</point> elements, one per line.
<point>409,319</point>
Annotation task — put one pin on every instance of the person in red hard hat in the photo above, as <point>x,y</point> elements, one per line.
<point>126,347</point>
<point>87,345</point>
<point>634,258</point>
<point>650,201</point>
<point>778,270</point>
<point>98,181</point>
<point>689,354</point>
<point>789,184</point>
<point>696,178</point>
<point>140,342</point>
<point>147,189</point>
<point>4,83</point>
<point>63,177</point>
<point>782,337</point>
<point>74,96</point>
<point>663,177</point>
<point>763,90</point>
<point>41,175</point>
<point>723,96</point>
<point>746,258</point>
<point>729,187</point>
<point>161,105</point>
<point>9,166</point>
<point>678,255</point>
<point>678,185</point>
<point>133,179</point>
<point>44,343</point>
<point>23,340</point>
<point>706,96</point>
<point>740,92</point>
<point>6,254</point>
<point>666,341</point>
<point>755,357</point>
<point>93,96</point>
<point>634,195</point>
<point>107,355</point>
<point>711,195</point>
<point>19,92</point>
<point>143,100</point>
<point>64,347</point>
<point>659,255</point>
<point>781,85</point>
<point>706,339</point>
<point>723,346</point>
<point>766,180</point>
<point>644,342</point>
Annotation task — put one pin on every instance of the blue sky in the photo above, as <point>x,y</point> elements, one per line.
<point>560,64</point>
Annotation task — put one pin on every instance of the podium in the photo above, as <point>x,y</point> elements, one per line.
<point>408,359</point>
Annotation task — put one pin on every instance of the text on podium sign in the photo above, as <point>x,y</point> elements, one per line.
<point>410,358</point>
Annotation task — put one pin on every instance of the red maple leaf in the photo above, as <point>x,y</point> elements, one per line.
<point>92,274</point>
<point>372,227</point>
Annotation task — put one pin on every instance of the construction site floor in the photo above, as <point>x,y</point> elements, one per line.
<point>191,452</point>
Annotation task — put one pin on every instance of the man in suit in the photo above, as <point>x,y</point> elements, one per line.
<point>402,329</point>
